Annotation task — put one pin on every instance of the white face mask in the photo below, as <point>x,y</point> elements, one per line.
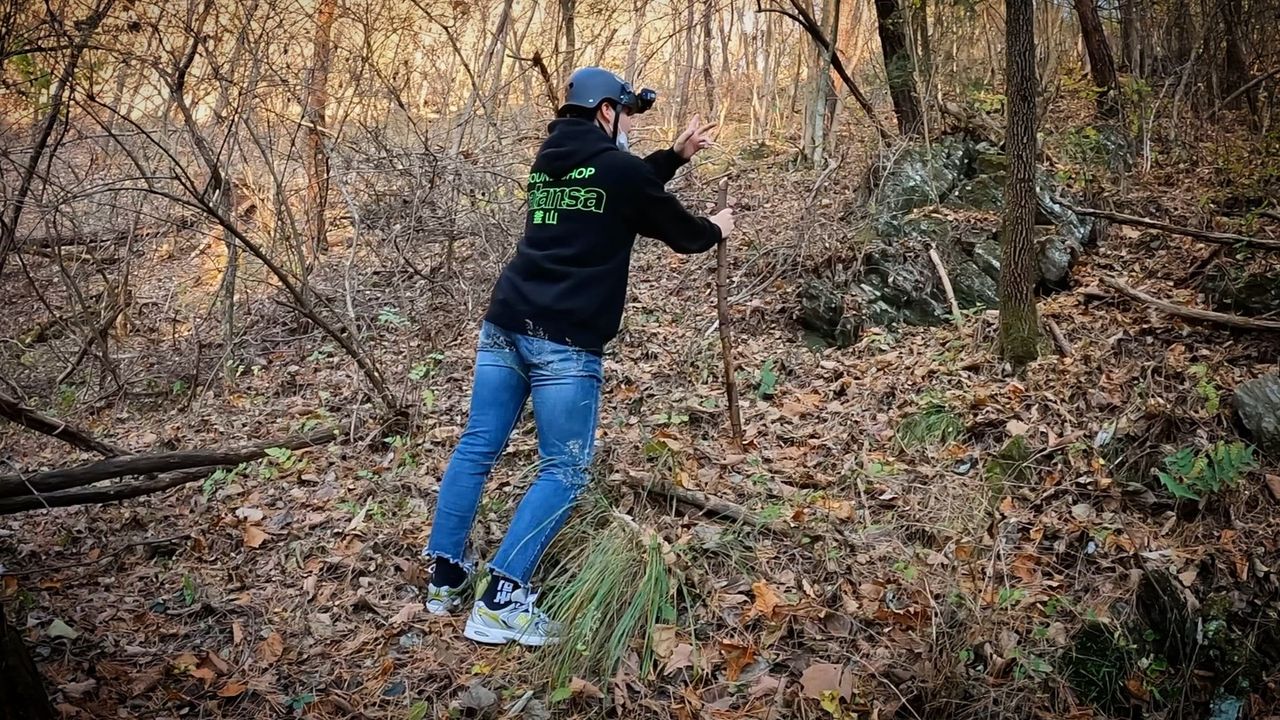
<point>623,144</point>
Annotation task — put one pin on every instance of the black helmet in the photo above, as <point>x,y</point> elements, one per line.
<point>590,86</point>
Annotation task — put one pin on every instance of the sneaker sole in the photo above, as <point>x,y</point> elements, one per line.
<point>443,610</point>
<point>501,636</point>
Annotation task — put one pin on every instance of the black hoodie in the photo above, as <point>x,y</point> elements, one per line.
<point>587,201</point>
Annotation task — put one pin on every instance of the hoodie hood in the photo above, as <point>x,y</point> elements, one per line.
<point>571,143</point>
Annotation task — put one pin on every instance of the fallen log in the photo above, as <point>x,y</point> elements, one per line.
<point>41,486</point>
<point>1188,313</point>
<point>16,412</point>
<point>1211,236</point>
<point>710,504</point>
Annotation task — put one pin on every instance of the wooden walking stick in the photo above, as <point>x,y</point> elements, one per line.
<point>722,313</point>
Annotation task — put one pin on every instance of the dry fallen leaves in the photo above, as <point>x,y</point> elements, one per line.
<point>254,536</point>
<point>663,638</point>
<point>270,650</point>
<point>736,657</point>
<point>821,678</point>
<point>232,689</point>
<point>407,613</point>
<point>581,688</point>
<point>681,657</point>
<point>766,600</point>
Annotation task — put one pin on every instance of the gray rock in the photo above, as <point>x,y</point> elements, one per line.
<point>1257,402</point>
<point>897,280</point>
<point>825,317</point>
<point>925,174</point>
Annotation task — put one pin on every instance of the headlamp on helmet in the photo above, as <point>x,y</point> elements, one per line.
<point>637,102</point>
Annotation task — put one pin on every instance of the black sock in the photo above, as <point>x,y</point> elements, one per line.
<point>497,592</point>
<point>447,573</point>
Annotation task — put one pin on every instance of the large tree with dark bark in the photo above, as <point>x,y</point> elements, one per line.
<point>898,67</point>
<point>1102,65</point>
<point>1019,329</point>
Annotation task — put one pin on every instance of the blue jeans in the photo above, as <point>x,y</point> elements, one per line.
<point>565,385</point>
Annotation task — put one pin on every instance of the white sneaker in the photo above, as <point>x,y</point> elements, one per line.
<point>520,621</point>
<point>445,600</point>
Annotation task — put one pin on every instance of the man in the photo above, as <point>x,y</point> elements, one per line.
<point>553,309</point>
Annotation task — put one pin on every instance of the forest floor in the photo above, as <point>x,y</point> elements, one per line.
<point>940,534</point>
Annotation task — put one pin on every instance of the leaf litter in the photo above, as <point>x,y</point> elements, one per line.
<point>966,562</point>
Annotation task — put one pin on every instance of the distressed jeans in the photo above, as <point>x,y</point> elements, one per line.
<point>564,383</point>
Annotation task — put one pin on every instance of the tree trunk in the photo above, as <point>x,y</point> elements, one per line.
<point>1102,67</point>
<point>897,67</point>
<point>686,67</point>
<point>568,8</point>
<point>1019,329</point>
<point>633,51</point>
<point>1129,42</point>
<point>1236,64</point>
<point>22,693</point>
<point>317,99</point>
<point>924,47</point>
<point>1181,26</point>
<point>708,79</point>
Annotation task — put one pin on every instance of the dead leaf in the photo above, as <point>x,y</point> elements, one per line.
<point>232,689</point>
<point>1188,577</point>
<point>270,650</point>
<point>78,689</point>
<point>407,613</point>
<point>1025,567</point>
<point>681,657</point>
<point>1016,428</point>
<point>237,632</point>
<point>840,509</point>
<point>766,684</point>
<point>1273,482</point>
<point>59,629</point>
<point>663,639</point>
<point>205,674</point>
<point>254,536</point>
<point>1137,688</point>
<point>217,662</point>
<point>146,680</point>
<point>821,678</point>
<point>736,657</point>
<point>249,514</point>
<point>766,600</point>
<point>582,688</point>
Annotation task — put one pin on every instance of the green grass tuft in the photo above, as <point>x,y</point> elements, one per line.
<point>932,424</point>
<point>621,587</point>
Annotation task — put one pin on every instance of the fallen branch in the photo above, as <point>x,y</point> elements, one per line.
<point>16,412</point>
<point>722,314</point>
<point>1243,89</point>
<point>710,504</point>
<point>110,493</point>
<point>1211,236</point>
<point>1188,313</point>
<point>42,484</point>
<point>1059,340</point>
<point>946,284</point>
